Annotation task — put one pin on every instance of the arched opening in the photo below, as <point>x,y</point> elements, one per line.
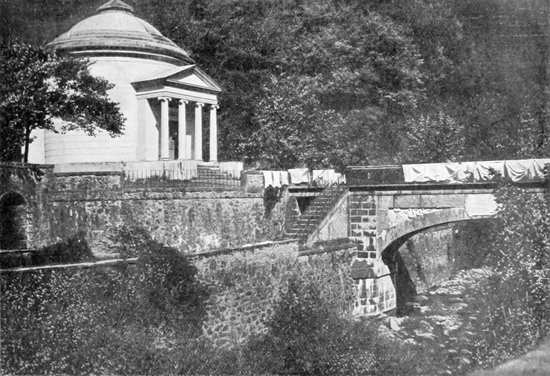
<point>425,257</point>
<point>12,221</point>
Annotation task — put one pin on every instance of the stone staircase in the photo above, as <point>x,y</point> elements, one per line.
<point>210,178</point>
<point>315,213</point>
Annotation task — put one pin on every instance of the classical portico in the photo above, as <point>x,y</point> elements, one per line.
<point>180,101</point>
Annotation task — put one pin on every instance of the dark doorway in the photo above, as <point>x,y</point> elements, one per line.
<point>12,221</point>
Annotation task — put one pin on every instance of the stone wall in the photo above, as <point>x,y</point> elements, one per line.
<point>429,257</point>
<point>363,221</point>
<point>245,285</point>
<point>190,221</point>
<point>32,183</point>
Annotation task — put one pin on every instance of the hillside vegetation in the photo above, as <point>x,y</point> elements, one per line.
<point>342,82</point>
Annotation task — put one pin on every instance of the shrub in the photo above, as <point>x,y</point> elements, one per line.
<point>125,320</point>
<point>306,336</point>
<point>514,302</point>
<point>75,249</point>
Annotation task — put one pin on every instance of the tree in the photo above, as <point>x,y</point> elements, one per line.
<point>434,138</point>
<point>37,86</point>
<point>354,75</point>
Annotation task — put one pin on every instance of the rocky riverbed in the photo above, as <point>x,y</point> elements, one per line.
<point>438,331</point>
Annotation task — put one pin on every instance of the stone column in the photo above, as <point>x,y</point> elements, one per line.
<point>198,131</point>
<point>164,130</point>
<point>213,133</point>
<point>182,129</point>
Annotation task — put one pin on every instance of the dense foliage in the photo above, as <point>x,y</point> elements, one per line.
<point>124,320</point>
<point>307,336</point>
<point>516,303</point>
<point>37,86</point>
<point>334,82</point>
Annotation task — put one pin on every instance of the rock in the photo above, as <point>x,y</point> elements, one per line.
<point>424,335</point>
<point>394,323</point>
<point>421,299</point>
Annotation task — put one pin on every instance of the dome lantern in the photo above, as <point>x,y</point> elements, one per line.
<point>115,4</point>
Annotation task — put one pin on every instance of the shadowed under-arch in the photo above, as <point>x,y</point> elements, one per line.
<point>12,221</point>
<point>390,240</point>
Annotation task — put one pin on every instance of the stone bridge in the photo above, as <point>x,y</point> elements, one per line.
<point>381,212</point>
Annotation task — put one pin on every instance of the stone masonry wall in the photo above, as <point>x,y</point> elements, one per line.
<point>363,218</point>
<point>245,286</point>
<point>32,182</point>
<point>190,221</point>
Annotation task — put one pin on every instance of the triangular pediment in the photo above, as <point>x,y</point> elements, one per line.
<point>189,76</point>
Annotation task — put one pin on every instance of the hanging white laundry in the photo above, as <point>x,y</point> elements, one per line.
<point>233,169</point>
<point>414,173</point>
<point>276,179</point>
<point>323,177</point>
<point>420,173</point>
<point>268,178</point>
<point>284,178</point>
<point>485,170</point>
<point>538,167</point>
<point>463,171</point>
<point>340,178</point>
<point>299,175</point>
<point>521,169</point>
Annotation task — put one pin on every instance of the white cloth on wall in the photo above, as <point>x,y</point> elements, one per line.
<point>233,169</point>
<point>268,178</point>
<point>327,177</point>
<point>276,175</point>
<point>538,167</point>
<point>299,175</point>
<point>521,169</point>
<point>413,173</point>
<point>461,171</point>
<point>421,173</point>
<point>276,179</point>
<point>515,170</point>
<point>451,172</point>
<point>322,177</point>
<point>485,170</point>
<point>340,178</point>
<point>526,169</point>
<point>284,178</point>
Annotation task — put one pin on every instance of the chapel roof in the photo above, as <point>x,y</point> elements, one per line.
<point>115,29</point>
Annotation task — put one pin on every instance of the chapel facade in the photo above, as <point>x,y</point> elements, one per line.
<point>170,105</point>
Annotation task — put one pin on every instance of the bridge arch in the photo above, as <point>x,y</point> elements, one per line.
<point>13,221</point>
<point>399,266</point>
<point>392,239</point>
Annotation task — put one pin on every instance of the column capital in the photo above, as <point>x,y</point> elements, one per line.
<point>162,99</point>
<point>199,104</point>
<point>214,107</point>
<point>183,101</point>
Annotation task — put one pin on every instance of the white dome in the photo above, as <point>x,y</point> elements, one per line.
<point>114,29</point>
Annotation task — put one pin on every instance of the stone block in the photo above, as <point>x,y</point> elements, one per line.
<point>384,202</point>
<point>442,201</point>
<point>252,181</point>
<point>407,201</point>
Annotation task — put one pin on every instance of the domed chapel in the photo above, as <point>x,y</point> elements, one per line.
<point>162,94</point>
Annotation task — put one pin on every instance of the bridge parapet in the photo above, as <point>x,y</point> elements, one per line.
<point>517,171</point>
<point>367,175</point>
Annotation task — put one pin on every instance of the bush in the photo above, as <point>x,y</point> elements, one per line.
<point>72,250</point>
<point>514,302</point>
<point>306,336</point>
<point>124,320</point>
